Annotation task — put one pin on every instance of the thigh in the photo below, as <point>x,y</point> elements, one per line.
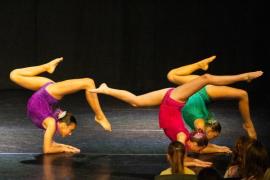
<point>32,83</point>
<point>62,88</point>
<point>153,98</point>
<point>223,92</point>
<point>184,79</point>
<point>183,92</point>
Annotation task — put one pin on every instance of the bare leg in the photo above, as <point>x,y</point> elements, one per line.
<point>60,89</point>
<point>27,77</point>
<point>181,93</point>
<point>225,92</point>
<point>150,99</point>
<point>184,74</point>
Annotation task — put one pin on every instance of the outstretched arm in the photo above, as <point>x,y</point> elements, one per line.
<point>189,161</point>
<point>213,148</point>
<point>49,146</point>
<point>66,146</point>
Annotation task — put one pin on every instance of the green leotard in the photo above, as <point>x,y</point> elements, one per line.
<point>196,108</point>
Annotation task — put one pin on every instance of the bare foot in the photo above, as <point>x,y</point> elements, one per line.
<point>253,75</point>
<point>104,123</point>
<point>52,64</point>
<point>203,64</point>
<point>101,89</point>
<point>250,130</point>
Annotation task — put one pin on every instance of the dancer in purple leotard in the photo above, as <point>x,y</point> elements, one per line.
<point>42,106</point>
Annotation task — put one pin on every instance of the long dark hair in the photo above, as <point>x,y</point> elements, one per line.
<point>239,149</point>
<point>199,137</point>
<point>176,152</point>
<point>255,161</point>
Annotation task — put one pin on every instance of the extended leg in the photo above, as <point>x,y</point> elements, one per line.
<point>60,89</point>
<point>181,93</point>
<point>225,92</point>
<point>184,74</point>
<point>150,99</point>
<point>27,77</point>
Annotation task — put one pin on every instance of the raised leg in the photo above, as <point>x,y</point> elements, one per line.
<point>181,93</point>
<point>230,93</point>
<point>150,99</point>
<point>60,89</point>
<point>27,77</point>
<point>184,74</point>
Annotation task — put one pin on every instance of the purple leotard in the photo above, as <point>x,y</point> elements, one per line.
<point>41,105</point>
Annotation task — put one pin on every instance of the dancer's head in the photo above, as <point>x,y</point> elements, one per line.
<point>255,161</point>
<point>66,124</point>
<point>239,149</point>
<point>197,141</point>
<point>212,129</point>
<point>175,156</point>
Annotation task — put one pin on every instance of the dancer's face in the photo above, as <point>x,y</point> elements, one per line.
<point>66,130</point>
<point>211,134</point>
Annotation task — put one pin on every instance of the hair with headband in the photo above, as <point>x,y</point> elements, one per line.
<point>199,137</point>
<point>214,125</point>
<point>176,153</point>
<point>67,118</point>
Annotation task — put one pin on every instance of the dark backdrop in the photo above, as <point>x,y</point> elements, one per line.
<point>133,44</point>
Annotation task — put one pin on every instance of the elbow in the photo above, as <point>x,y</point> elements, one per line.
<point>206,77</point>
<point>46,151</point>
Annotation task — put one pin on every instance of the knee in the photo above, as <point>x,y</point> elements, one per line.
<point>135,103</point>
<point>90,83</point>
<point>170,76</point>
<point>243,94</point>
<point>206,77</point>
<point>13,75</point>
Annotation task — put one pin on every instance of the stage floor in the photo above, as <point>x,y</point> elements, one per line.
<point>135,149</point>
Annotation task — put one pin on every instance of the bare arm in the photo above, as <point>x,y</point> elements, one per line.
<point>66,146</point>
<point>49,146</point>
<point>213,148</point>
<point>188,161</point>
<point>181,137</point>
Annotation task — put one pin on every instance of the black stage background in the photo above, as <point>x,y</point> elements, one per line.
<point>130,44</point>
<point>133,44</point>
